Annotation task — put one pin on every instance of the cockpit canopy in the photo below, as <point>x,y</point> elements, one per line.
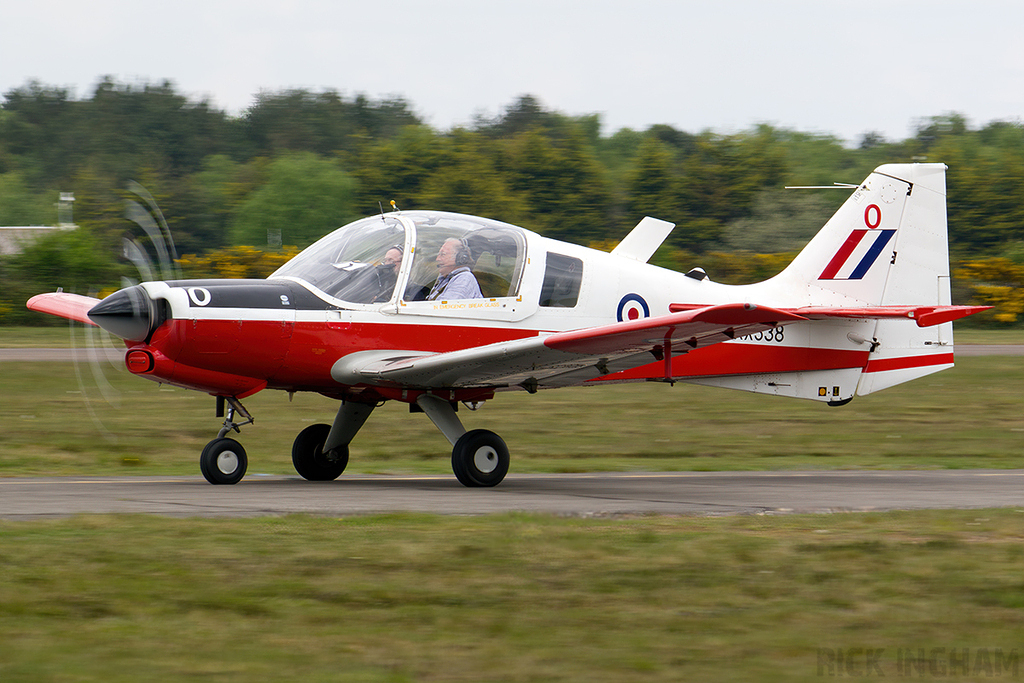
<point>351,265</point>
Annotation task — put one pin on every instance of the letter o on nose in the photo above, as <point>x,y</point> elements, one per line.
<point>200,295</point>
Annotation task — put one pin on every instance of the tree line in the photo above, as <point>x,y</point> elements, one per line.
<point>299,163</point>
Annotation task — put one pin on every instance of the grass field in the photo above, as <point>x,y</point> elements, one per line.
<point>511,598</point>
<point>515,597</point>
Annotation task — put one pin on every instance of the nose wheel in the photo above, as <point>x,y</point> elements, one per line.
<point>223,461</point>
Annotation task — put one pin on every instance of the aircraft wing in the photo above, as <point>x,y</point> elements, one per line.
<point>65,305</point>
<point>561,358</point>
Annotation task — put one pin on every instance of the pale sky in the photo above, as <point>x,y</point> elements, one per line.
<point>843,68</point>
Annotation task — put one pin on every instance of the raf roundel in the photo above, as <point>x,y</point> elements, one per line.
<point>632,307</point>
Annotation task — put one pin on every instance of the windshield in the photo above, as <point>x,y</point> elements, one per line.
<point>357,263</point>
<point>362,262</point>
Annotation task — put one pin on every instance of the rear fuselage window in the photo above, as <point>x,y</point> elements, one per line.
<point>562,280</point>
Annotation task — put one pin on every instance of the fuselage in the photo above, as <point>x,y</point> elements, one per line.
<point>236,337</point>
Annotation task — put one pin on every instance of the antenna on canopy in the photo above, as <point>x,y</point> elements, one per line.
<point>833,186</point>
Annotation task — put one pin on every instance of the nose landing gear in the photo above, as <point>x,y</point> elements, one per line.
<point>223,460</point>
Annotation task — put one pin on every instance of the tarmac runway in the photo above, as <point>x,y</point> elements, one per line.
<point>674,493</point>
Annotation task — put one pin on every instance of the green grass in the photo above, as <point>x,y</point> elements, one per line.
<point>969,417</point>
<point>500,598</point>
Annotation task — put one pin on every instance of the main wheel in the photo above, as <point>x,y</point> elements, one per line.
<point>223,461</point>
<point>480,458</point>
<point>309,459</point>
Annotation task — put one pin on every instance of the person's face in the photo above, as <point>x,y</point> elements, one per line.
<point>446,258</point>
<point>391,259</point>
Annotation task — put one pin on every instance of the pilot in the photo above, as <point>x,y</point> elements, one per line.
<point>387,271</point>
<point>392,258</point>
<point>455,280</point>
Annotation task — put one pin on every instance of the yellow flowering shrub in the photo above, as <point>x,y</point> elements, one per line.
<point>996,282</point>
<point>236,262</point>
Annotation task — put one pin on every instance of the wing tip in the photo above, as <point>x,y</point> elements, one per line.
<point>64,305</point>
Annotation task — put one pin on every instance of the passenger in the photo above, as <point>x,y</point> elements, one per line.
<point>455,280</point>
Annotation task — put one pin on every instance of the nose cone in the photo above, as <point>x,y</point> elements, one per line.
<point>127,313</point>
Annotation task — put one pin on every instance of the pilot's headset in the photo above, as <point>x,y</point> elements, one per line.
<point>398,247</point>
<point>464,255</point>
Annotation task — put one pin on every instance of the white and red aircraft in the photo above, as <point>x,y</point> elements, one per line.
<point>865,306</point>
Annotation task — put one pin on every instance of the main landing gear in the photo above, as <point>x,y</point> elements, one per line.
<point>320,452</point>
<point>479,457</point>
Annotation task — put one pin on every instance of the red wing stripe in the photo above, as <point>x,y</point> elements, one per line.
<point>885,364</point>
<point>844,253</point>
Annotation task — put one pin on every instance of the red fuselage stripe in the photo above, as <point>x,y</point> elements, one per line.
<point>884,364</point>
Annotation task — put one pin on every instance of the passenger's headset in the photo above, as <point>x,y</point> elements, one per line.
<point>464,257</point>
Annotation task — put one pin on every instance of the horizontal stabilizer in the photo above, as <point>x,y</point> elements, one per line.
<point>925,316</point>
<point>65,305</point>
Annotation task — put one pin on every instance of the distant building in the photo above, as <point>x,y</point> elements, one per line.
<point>14,238</point>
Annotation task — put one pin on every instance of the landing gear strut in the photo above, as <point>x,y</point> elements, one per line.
<point>223,460</point>
<point>479,457</point>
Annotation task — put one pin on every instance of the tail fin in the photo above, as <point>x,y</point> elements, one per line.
<point>886,245</point>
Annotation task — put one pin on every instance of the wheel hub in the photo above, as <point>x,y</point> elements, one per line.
<point>485,459</point>
<point>227,462</point>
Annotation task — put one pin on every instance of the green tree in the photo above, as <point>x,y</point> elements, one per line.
<point>19,205</point>
<point>655,186</point>
<point>469,182</point>
<point>397,169</point>
<point>74,260</point>
<point>560,181</point>
<point>325,123</point>
<point>984,187</point>
<point>305,197</point>
<point>782,220</point>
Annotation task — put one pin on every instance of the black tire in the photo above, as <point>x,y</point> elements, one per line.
<point>223,461</point>
<point>480,458</point>
<point>309,459</point>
